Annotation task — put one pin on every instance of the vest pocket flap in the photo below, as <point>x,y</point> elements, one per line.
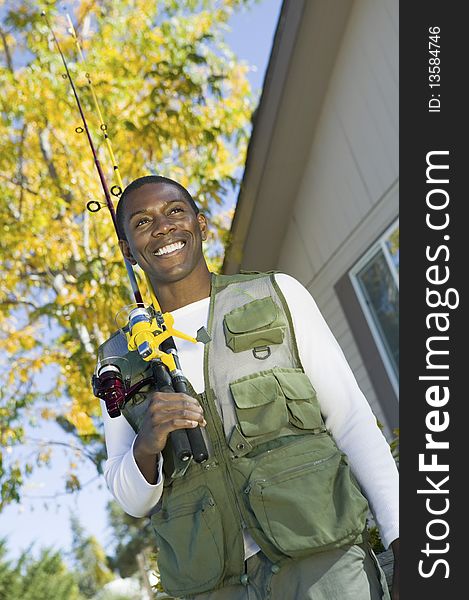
<point>251,392</point>
<point>255,324</point>
<point>295,384</point>
<point>302,404</point>
<point>251,316</point>
<point>260,404</point>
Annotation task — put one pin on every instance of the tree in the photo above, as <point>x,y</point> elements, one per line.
<point>36,579</point>
<point>91,565</point>
<point>176,102</point>
<point>135,551</point>
<point>131,536</point>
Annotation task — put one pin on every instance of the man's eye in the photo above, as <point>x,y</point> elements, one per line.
<point>176,209</point>
<point>141,222</point>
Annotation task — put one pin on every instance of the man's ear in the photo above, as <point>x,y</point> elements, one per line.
<point>124,246</point>
<point>202,219</point>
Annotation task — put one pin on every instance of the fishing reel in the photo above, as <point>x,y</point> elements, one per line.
<point>108,384</point>
<point>145,330</point>
<point>150,333</point>
<point>112,386</point>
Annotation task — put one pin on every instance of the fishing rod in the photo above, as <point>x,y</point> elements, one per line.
<point>107,194</point>
<point>147,330</point>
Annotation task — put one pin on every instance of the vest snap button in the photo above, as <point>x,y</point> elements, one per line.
<point>244,579</point>
<point>240,446</point>
<point>275,569</point>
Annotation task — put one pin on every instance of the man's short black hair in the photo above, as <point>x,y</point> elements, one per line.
<point>120,212</point>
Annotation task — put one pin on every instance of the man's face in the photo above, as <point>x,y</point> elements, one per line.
<point>164,235</point>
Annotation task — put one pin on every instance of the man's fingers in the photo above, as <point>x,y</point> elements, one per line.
<point>179,402</point>
<point>174,424</point>
<point>184,415</point>
<point>171,397</point>
<point>191,411</point>
<point>168,412</point>
<point>183,423</point>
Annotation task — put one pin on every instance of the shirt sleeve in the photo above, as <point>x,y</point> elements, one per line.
<point>347,413</point>
<point>124,480</point>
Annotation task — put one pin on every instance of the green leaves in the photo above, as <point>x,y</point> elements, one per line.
<point>38,578</point>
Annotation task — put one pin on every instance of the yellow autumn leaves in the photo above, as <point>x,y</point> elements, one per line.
<point>175,101</point>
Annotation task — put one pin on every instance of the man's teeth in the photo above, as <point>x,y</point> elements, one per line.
<point>169,248</point>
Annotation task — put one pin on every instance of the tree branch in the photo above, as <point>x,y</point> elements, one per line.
<point>21,184</point>
<point>66,444</point>
<point>7,51</point>
<point>21,177</point>
<point>56,495</point>
<point>45,151</point>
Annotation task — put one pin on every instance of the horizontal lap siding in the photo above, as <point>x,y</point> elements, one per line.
<point>348,192</point>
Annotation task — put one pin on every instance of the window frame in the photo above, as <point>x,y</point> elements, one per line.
<point>379,245</point>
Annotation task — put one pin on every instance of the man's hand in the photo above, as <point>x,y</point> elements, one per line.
<point>395,577</point>
<point>166,412</point>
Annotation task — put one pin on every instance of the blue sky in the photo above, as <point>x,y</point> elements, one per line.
<point>39,518</point>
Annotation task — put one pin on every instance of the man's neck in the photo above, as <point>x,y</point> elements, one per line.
<point>177,294</point>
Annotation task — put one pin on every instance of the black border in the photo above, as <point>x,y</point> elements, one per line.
<point>421,132</point>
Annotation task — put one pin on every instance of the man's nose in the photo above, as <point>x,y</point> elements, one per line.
<point>162,226</point>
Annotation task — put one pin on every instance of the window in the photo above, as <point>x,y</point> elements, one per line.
<point>375,279</point>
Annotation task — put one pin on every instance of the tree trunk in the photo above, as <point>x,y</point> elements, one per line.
<point>142,567</point>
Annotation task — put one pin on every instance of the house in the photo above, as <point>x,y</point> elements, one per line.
<point>319,195</point>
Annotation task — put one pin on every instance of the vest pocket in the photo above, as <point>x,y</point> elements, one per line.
<point>262,399</point>
<point>255,324</point>
<point>189,536</point>
<point>303,408</point>
<point>260,404</point>
<point>309,502</point>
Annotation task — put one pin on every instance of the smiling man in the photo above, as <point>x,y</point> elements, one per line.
<point>296,459</point>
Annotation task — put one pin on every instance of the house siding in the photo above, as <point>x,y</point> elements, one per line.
<point>348,192</point>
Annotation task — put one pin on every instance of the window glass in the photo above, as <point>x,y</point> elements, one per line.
<point>376,281</point>
<point>392,244</point>
<point>382,297</point>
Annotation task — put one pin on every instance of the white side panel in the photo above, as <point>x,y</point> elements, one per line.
<point>348,193</point>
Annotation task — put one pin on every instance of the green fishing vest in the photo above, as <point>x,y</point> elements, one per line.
<point>273,468</point>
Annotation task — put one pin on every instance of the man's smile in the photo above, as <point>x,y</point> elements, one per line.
<point>169,249</point>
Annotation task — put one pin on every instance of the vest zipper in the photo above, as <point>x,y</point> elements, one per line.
<point>314,463</point>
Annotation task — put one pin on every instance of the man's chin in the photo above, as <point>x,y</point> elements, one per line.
<point>170,272</point>
<point>170,275</point>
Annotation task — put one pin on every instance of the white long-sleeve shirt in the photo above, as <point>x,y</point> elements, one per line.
<point>346,412</point>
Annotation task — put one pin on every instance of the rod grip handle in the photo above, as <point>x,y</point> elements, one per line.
<point>179,440</point>
<point>196,439</point>
<point>181,444</point>
<point>197,443</point>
